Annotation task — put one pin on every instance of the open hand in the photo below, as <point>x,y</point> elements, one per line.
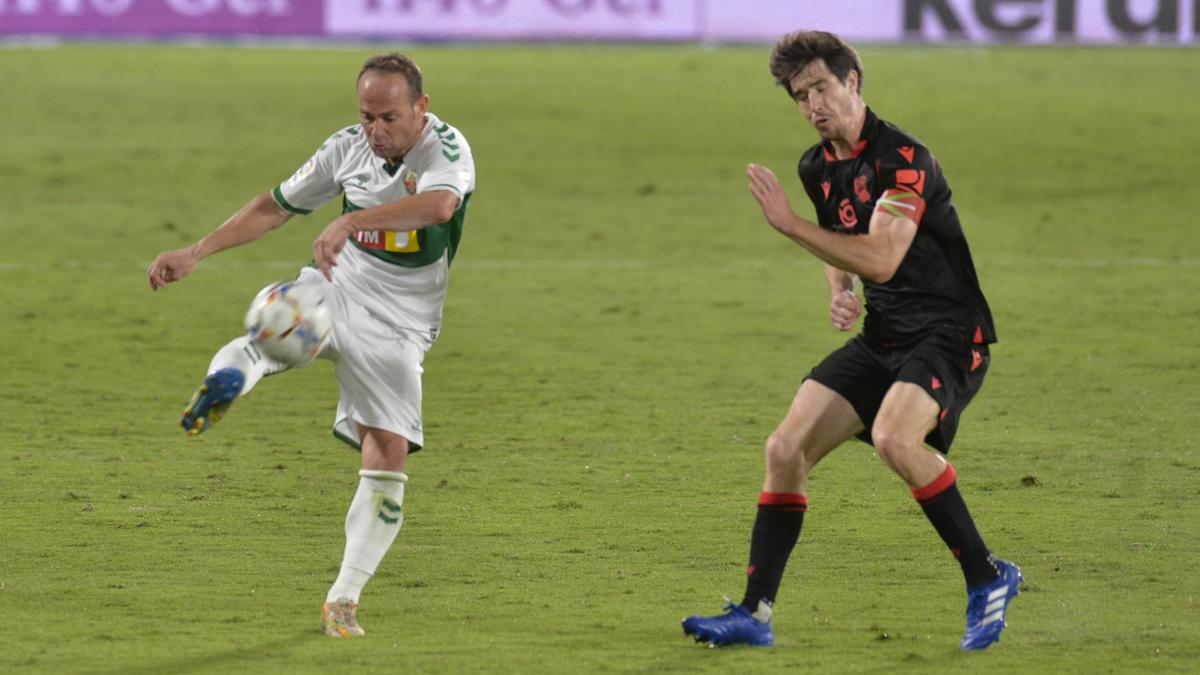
<point>771,198</point>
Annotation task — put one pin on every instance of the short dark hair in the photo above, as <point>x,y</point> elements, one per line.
<point>795,51</point>
<point>395,63</point>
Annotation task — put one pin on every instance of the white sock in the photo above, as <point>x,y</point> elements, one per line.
<point>763,613</point>
<point>372,524</point>
<point>242,354</point>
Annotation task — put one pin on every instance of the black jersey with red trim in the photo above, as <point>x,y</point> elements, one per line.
<point>936,281</point>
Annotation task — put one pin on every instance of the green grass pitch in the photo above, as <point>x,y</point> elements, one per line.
<point>622,332</point>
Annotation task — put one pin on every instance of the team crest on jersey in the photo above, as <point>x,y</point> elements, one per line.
<point>410,182</point>
<point>860,189</point>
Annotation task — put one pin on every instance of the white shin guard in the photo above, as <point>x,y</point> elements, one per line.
<point>372,523</point>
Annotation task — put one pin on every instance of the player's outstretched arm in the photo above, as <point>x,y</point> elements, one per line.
<point>410,213</point>
<point>261,215</point>
<point>875,256</point>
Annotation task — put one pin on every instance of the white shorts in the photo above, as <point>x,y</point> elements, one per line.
<point>381,331</point>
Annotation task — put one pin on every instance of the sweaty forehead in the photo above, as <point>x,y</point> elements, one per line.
<point>383,90</point>
<point>816,71</point>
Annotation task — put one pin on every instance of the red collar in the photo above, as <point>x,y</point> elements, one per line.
<point>865,135</point>
<point>862,145</point>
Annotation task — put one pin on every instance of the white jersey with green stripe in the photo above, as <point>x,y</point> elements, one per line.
<point>415,261</point>
<point>345,164</point>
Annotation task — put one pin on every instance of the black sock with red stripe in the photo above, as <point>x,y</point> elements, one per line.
<point>945,508</point>
<point>776,529</point>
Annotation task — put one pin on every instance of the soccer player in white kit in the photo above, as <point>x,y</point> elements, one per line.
<point>405,178</point>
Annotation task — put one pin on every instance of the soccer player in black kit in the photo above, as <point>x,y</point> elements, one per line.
<point>885,219</point>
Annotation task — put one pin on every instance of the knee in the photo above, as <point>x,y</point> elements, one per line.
<point>785,457</point>
<point>387,450</point>
<point>893,448</point>
<point>395,449</point>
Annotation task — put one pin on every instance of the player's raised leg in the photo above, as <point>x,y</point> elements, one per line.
<point>372,523</point>
<point>908,413</point>
<point>233,372</point>
<point>818,421</point>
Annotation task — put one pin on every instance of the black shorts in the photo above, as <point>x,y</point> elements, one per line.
<point>944,362</point>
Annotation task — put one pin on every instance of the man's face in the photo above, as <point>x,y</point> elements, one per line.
<point>826,101</point>
<point>391,120</point>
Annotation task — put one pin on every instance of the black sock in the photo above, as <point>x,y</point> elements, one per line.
<point>776,529</point>
<point>945,508</point>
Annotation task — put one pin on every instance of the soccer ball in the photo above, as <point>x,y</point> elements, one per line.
<point>289,322</point>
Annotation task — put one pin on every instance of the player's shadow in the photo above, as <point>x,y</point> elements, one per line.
<point>223,660</point>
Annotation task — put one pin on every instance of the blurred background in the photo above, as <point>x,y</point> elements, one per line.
<point>860,21</point>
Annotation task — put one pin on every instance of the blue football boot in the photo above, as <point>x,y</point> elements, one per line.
<point>987,605</point>
<point>737,626</point>
<point>212,400</point>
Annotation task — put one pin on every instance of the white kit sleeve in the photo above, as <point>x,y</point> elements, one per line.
<point>315,182</point>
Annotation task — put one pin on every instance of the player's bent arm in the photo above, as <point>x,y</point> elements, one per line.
<point>258,217</point>
<point>839,279</point>
<point>844,304</point>
<point>252,221</point>
<point>411,213</point>
<point>875,256</point>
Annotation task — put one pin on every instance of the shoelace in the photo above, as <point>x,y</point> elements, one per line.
<point>976,603</point>
<point>343,613</point>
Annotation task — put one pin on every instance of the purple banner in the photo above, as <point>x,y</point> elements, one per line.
<point>516,19</point>
<point>963,21</point>
<point>161,18</point>
<point>1050,21</point>
<point>860,21</point>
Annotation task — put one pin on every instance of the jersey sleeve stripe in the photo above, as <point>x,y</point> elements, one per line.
<point>283,203</point>
<point>902,204</point>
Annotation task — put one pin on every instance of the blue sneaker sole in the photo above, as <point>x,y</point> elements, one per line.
<point>210,402</point>
<point>712,639</point>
